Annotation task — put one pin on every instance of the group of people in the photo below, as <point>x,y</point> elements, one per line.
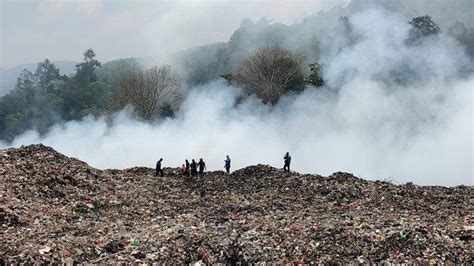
<point>191,169</point>
<point>193,166</point>
<point>197,168</point>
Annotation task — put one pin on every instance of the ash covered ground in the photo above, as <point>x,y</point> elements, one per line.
<point>58,209</point>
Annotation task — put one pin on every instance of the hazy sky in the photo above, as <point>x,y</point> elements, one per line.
<point>376,127</point>
<point>63,29</point>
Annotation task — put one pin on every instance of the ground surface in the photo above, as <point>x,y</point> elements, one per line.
<point>55,208</point>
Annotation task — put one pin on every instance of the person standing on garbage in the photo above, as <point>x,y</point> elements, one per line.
<point>287,160</point>
<point>186,171</point>
<point>158,167</point>
<point>202,167</point>
<point>183,169</point>
<point>227,164</point>
<point>193,166</point>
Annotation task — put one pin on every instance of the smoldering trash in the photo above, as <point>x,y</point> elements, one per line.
<point>56,209</point>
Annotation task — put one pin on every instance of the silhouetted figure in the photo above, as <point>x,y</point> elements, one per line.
<point>183,169</point>
<point>193,167</point>
<point>202,166</point>
<point>186,171</point>
<point>158,167</point>
<point>227,164</point>
<point>287,159</point>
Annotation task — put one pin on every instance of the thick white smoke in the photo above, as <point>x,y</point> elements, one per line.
<point>367,123</point>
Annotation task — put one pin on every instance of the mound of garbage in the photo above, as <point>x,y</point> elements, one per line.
<point>58,209</point>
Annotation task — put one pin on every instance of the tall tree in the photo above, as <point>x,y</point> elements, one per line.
<point>422,27</point>
<point>153,93</point>
<point>269,73</point>
<point>315,76</point>
<point>25,85</point>
<point>85,71</point>
<point>46,72</point>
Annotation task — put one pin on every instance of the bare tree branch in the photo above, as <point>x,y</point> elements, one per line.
<point>269,73</point>
<point>152,92</point>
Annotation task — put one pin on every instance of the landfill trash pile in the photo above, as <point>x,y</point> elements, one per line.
<point>59,209</point>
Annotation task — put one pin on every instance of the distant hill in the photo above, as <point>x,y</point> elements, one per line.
<point>8,76</point>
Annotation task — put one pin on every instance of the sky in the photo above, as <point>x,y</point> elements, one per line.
<point>63,29</point>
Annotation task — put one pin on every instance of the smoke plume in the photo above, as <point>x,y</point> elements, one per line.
<point>389,111</point>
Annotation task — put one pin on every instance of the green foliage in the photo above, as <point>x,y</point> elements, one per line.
<point>14,122</point>
<point>43,98</point>
<point>26,81</point>
<point>85,71</point>
<point>205,63</point>
<point>422,27</point>
<point>79,99</point>
<point>229,77</point>
<point>11,114</point>
<point>45,73</point>
<point>315,77</point>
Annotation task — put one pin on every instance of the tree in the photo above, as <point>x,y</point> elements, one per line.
<point>315,77</point>
<point>46,72</point>
<point>25,86</point>
<point>12,114</point>
<point>153,93</point>
<point>422,27</point>
<point>42,99</point>
<point>85,71</point>
<point>269,73</point>
<point>26,80</point>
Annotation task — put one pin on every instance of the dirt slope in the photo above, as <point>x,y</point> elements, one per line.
<point>55,208</point>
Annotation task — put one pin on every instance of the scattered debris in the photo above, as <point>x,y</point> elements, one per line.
<point>59,210</point>
<point>44,250</point>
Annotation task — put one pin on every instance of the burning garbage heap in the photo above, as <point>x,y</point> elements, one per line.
<point>58,209</point>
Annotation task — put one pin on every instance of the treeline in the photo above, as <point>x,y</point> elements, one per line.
<point>258,58</point>
<point>310,39</point>
<point>44,98</point>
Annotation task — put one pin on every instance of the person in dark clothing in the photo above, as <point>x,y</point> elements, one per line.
<point>186,169</point>
<point>287,159</point>
<point>193,166</point>
<point>227,164</point>
<point>202,166</point>
<point>158,168</point>
<point>183,169</point>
